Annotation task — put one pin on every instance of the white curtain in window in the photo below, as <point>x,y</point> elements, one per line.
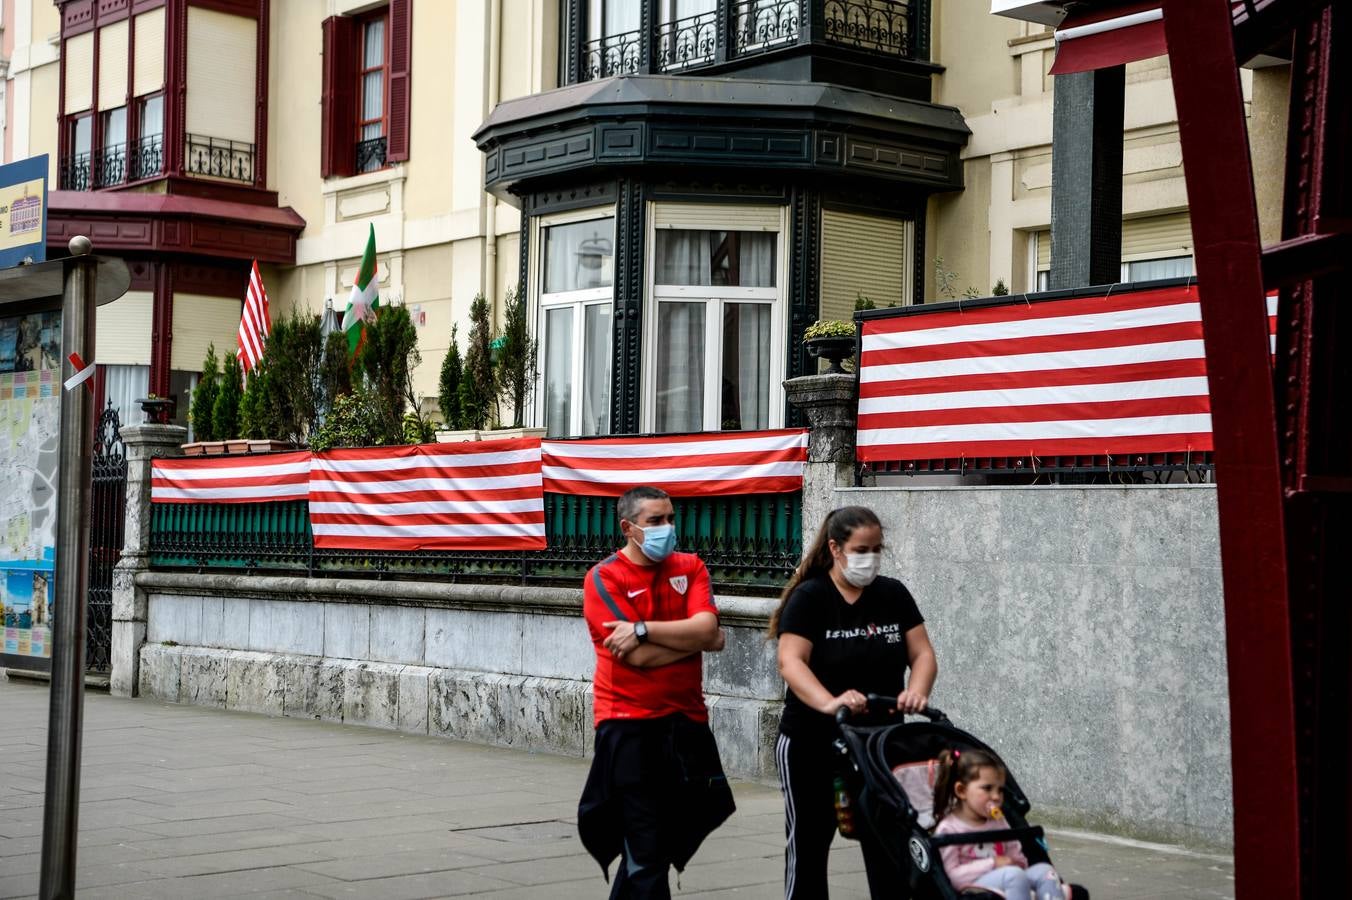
<point>680,367</point>
<point>559,371</point>
<point>746,366</point>
<point>675,10</point>
<point>596,369</point>
<point>579,256</point>
<point>125,387</point>
<point>114,128</point>
<point>683,257</point>
<point>757,258</point>
<point>1152,269</point>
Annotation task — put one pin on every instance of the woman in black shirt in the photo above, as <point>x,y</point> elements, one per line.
<point>844,632</point>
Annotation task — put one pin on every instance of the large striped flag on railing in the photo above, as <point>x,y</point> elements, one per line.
<point>231,479</point>
<point>1124,373</point>
<point>484,495</point>
<point>756,462</point>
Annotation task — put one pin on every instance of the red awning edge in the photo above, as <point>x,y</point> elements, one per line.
<point>1098,39</point>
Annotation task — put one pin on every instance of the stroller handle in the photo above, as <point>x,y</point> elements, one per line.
<point>883,703</point>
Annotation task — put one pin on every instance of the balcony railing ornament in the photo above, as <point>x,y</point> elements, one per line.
<point>220,158</point>
<point>760,26</point>
<point>110,166</point>
<point>147,159</point>
<point>615,54</point>
<point>687,43</point>
<point>75,172</point>
<point>883,26</point>
<point>371,154</point>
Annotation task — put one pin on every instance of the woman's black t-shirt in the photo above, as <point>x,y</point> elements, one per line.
<point>859,646</point>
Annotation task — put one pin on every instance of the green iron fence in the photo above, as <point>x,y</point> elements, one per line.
<point>749,542</point>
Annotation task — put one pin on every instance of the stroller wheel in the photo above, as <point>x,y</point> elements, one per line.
<point>1077,892</point>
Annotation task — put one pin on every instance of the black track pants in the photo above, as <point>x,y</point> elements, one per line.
<point>807,770</point>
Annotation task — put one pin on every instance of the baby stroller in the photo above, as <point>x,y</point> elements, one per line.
<point>895,807</point>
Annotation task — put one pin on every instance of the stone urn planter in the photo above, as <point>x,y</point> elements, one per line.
<point>834,349</point>
<point>158,410</point>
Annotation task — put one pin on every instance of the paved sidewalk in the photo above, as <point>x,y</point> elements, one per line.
<point>179,801</point>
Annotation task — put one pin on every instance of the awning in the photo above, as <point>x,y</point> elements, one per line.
<point>1099,37</point>
<point>1114,34</point>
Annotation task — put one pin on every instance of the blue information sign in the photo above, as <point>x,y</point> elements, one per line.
<point>23,212</point>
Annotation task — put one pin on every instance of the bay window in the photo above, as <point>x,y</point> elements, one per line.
<point>715,330</point>
<point>577,293</point>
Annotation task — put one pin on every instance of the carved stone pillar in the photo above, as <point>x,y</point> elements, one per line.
<point>831,407</point>
<point>144,443</point>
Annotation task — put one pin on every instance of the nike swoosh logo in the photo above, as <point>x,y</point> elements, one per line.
<point>633,594</point>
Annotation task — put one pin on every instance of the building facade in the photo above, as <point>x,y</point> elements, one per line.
<point>675,188</point>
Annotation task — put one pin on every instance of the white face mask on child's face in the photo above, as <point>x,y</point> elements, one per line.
<point>862,568</point>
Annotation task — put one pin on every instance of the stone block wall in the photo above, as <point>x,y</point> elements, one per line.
<point>496,665</point>
<point>1081,632</point>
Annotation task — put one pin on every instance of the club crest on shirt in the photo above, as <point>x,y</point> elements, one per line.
<point>679,583</point>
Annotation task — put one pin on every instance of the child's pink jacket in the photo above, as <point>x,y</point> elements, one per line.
<point>965,863</point>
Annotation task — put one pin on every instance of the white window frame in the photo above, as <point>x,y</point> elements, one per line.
<point>714,298</point>
<point>541,303</point>
<point>1123,273</point>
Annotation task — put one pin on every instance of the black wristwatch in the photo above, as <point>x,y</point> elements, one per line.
<point>641,632</point>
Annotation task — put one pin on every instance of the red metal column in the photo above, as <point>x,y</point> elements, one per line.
<point>1315,381</point>
<point>1248,466</point>
<point>161,327</point>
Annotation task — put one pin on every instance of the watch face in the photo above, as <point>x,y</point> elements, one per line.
<point>641,631</point>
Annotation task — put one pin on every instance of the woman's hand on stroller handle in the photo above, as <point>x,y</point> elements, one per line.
<point>880,703</point>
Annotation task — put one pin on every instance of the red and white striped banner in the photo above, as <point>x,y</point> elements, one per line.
<point>714,464</point>
<point>1088,376</point>
<point>484,495</point>
<point>231,479</point>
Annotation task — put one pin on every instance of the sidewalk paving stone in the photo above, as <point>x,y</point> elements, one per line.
<point>182,802</point>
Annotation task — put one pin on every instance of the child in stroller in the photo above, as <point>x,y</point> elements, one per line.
<point>888,767</point>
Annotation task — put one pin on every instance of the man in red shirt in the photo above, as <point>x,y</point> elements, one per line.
<point>656,787</point>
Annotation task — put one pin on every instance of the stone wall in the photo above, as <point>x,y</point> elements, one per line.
<point>1079,631</point>
<point>497,665</point>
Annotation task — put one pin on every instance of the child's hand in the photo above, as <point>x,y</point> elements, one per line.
<point>1002,861</point>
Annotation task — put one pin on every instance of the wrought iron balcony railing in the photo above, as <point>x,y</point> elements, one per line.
<point>615,54</point>
<point>74,175</point>
<point>220,158</point>
<point>147,158</point>
<point>881,26</point>
<point>758,25</point>
<point>687,43</point>
<point>738,29</point>
<point>371,155</point>
<point>110,166</point>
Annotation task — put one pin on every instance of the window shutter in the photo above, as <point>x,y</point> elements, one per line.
<point>861,255</point>
<point>338,141</point>
<point>401,70</point>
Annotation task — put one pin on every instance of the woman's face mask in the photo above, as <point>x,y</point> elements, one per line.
<point>861,568</point>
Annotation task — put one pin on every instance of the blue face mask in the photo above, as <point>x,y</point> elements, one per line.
<point>658,541</point>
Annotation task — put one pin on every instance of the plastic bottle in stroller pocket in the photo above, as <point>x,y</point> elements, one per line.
<point>844,809</point>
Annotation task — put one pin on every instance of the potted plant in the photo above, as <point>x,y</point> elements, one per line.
<point>831,340</point>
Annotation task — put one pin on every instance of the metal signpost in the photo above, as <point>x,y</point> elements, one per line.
<point>82,282</point>
<point>60,819</point>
